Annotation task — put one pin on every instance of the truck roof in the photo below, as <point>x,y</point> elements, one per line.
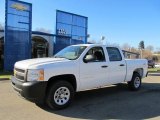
<point>92,45</point>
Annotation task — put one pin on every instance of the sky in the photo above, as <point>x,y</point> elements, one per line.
<point>120,21</point>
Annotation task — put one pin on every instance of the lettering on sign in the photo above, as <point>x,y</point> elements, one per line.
<point>62,31</point>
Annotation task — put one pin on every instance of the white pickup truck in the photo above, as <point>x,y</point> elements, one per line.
<point>55,80</point>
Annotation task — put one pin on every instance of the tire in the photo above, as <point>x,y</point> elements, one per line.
<point>41,105</point>
<point>135,83</point>
<point>60,95</point>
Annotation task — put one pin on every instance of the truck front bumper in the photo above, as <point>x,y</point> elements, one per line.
<point>33,91</point>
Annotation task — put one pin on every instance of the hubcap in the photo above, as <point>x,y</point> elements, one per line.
<point>137,82</point>
<point>62,95</point>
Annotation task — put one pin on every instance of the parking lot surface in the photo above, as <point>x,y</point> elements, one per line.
<point>113,102</point>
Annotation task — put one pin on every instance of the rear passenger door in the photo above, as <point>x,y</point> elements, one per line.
<point>117,66</point>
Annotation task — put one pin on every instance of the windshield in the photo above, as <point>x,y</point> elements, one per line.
<point>70,52</point>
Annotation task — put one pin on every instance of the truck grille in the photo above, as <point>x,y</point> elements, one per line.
<point>19,74</point>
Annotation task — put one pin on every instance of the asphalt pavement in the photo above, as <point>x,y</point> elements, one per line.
<point>113,102</point>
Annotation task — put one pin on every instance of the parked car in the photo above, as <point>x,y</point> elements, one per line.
<point>157,65</point>
<point>151,63</point>
<point>75,68</point>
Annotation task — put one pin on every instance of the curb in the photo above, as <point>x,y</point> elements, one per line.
<point>153,74</point>
<point>3,79</point>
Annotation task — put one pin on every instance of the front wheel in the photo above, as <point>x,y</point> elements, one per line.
<point>60,95</point>
<point>135,83</point>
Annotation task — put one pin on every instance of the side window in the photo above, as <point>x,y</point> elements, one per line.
<point>114,54</point>
<point>95,54</point>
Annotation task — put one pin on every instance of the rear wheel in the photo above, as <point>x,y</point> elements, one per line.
<point>135,83</point>
<point>60,95</point>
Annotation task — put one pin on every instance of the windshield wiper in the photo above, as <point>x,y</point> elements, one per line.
<point>59,57</point>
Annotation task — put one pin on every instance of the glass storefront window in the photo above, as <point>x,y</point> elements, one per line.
<point>79,31</point>
<point>63,40</point>
<point>64,29</point>
<point>18,21</point>
<point>80,38</point>
<point>77,40</point>
<point>79,21</point>
<point>70,25</point>
<point>64,18</point>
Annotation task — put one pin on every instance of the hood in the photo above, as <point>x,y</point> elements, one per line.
<point>24,64</point>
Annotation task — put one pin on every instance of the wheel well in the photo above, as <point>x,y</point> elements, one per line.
<point>139,71</point>
<point>67,77</point>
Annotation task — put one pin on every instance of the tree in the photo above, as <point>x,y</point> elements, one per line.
<point>147,54</point>
<point>43,30</point>
<point>1,26</point>
<point>150,48</point>
<point>126,46</point>
<point>114,44</point>
<point>157,50</point>
<point>92,41</point>
<point>141,45</point>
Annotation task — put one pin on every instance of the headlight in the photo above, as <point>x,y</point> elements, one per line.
<point>35,75</point>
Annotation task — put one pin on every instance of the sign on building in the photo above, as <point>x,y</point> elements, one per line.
<point>70,29</point>
<point>18,19</point>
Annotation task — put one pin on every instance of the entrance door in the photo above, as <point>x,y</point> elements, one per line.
<point>39,47</point>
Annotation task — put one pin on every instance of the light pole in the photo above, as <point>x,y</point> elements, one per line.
<point>102,39</point>
<point>141,53</point>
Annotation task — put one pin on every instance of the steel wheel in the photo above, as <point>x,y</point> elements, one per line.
<point>137,82</point>
<point>61,95</point>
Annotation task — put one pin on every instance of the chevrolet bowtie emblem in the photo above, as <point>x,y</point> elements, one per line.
<point>19,7</point>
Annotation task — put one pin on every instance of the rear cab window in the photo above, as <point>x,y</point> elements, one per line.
<point>114,54</point>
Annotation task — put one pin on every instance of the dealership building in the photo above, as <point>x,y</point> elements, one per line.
<point>42,44</point>
<point>19,42</point>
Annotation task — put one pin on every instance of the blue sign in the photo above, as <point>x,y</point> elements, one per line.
<point>17,42</point>
<point>70,29</point>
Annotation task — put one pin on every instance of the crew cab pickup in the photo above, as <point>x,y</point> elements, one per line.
<point>55,80</point>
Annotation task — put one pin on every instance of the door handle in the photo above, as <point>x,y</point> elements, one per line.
<point>104,66</point>
<point>121,65</point>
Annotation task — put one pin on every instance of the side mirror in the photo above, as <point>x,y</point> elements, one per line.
<point>88,58</point>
